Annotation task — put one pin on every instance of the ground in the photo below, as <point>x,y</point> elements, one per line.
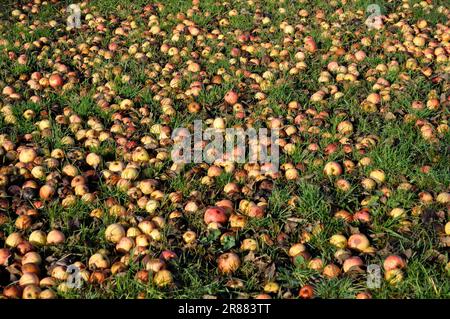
<point>362,111</point>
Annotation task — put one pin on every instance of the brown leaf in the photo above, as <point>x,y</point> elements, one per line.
<point>250,257</point>
<point>289,227</point>
<point>269,273</point>
<point>408,253</point>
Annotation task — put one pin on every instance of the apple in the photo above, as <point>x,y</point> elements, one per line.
<point>55,237</point>
<point>155,264</point>
<point>13,239</point>
<point>231,97</point>
<point>27,155</point>
<point>362,216</point>
<point>46,192</point>
<point>146,226</point>
<point>393,276</point>
<point>191,207</point>
<point>256,211</point>
<point>142,276</point>
<point>360,55</point>
<point>378,176</point>
<point>332,169</point>
<point>426,197</point>
<point>363,295</point>
<point>5,253</point>
<point>32,257</point>
<point>393,262</point>
<point>47,294</point>
<point>12,292</point>
<point>296,249</point>
<point>47,282</point>
<point>368,184</point>
<point>114,233</point>
<point>316,264</point>
<point>443,198</point>
<point>331,271</point>
<point>291,174</point>
<point>59,273</point>
<point>23,222</point>
<point>24,247</point>
<point>93,160</point>
<point>301,258</point>
<point>249,244</point>
<point>168,255</point>
<point>139,154</point>
<point>306,292</point>
<point>97,277</point>
<point>31,291</point>
<point>397,213</point>
<point>310,44</point>
<point>447,229</point>
<point>55,80</point>
<point>271,287</point>
<point>189,237</point>
<point>228,263</point>
<point>345,127</point>
<point>118,267</point>
<point>215,214</point>
<point>352,264</point>
<point>338,241</point>
<point>28,278</point>
<point>374,98</point>
<point>358,242</point>
<point>226,204</point>
<point>98,261</point>
<point>343,185</point>
<point>125,244</point>
<point>238,221</point>
<point>163,278</point>
<point>38,238</point>
<point>343,214</point>
<point>142,240</point>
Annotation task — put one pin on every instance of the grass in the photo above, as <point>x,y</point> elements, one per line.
<point>400,149</point>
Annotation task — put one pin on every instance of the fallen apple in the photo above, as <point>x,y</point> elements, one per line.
<point>228,263</point>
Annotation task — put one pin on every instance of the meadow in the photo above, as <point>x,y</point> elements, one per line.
<point>92,204</point>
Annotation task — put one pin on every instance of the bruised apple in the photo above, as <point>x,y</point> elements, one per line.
<point>215,214</point>
<point>393,262</point>
<point>228,263</point>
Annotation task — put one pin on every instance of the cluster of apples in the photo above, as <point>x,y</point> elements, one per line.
<point>87,117</point>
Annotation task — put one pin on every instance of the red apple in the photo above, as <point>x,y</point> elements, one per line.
<point>256,211</point>
<point>231,97</point>
<point>4,256</point>
<point>306,292</point>
<point>362,215</point>
<point>310,44</point>
<point>331,271</point>
<point>352,263</point>
<point>215,214</point>
<point>12,292</point>
<point>332,168</point>
<point>168,254</point>
<point>55,80</point>
<point>393,262</point>
<point>363,295</point>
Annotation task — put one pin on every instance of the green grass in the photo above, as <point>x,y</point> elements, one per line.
<point>400,149</point>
